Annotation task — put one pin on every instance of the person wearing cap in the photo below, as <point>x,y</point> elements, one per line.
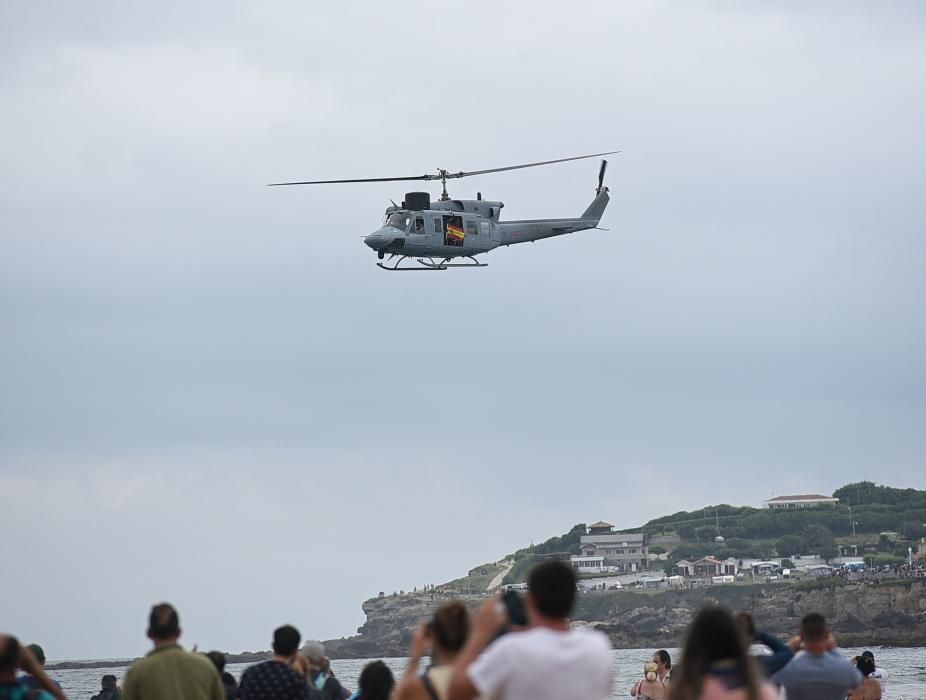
<point>28,679</point>
<point>320,673</point>
<point>12,656</point>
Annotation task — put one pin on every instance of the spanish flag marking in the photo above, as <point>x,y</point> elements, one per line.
<point>454,232</point>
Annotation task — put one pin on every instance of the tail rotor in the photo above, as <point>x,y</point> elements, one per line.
<point>601,172</point>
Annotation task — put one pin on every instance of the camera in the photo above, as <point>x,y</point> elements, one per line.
<point>514,608</point>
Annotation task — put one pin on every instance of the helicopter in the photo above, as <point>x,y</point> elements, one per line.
<point>421,235</point>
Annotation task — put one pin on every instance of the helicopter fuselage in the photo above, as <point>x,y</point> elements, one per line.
<point>465,228</point>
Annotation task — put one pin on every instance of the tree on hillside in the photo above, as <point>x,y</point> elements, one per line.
<point>819,540</point>
<point>789,545</point>
<point>866,492</point>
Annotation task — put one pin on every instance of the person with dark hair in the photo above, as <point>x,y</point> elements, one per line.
<point>879,673</point>
<point>663,665</point>
<point>715,664</point>
<point>548,659</point>
<point>28,679</point>
<point>168,672</point>
<point>108,689</point>
<point>229,684</point>
<point>870,689</point>
<point>375,682</point>
<point>274,679</point>
<point>12,656</point>
<point>443,637</point>
<point>757,640</point>
<point>818,672</point>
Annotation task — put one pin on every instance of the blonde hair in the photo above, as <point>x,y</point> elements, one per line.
<point>649,670</point>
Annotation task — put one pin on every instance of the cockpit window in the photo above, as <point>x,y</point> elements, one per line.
<point>398,219</point>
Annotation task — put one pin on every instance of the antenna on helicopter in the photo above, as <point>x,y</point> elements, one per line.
<point>444,175</point>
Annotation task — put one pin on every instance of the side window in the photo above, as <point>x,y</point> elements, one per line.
<point>438,224</point>
<point>419,224</point>
<point>471,227</point>
<point>484,227</point>
<point>453,231</point>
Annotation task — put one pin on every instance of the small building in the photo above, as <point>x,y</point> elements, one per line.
<point>587,565</point>
<point>762,567</point>
<point>600,528</point>
<point>802,501</point>
<point>706,567</point>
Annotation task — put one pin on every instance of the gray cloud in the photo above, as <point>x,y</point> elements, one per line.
<point>209,389</point>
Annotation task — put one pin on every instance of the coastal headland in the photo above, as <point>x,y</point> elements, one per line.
<point>863,614</point>
<point>858,557</point>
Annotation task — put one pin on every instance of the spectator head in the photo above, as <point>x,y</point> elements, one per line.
<point>108,682</point>
<point>285,640</point>
<point>865,664</point>
<point>450,627</point>
<point>814,632</point>
<point>868,655</point>
<point>9,655</point>
<point>713,638</point>
<point>38,652</point>
<point>551,589</point>
<point>650,671</point>
<point>163,623</point>
<point>314,651</point>
<point>375,681</point>
<point>663,661</point>
<point>218,660</point>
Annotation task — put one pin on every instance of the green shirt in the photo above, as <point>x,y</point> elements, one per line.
<point>170,673</point>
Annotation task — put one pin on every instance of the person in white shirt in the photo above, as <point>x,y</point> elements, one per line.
<point>548,659</point>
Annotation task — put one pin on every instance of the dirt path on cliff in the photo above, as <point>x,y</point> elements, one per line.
<point>497,581</point>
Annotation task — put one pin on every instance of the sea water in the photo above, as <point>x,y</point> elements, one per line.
<point>906,670</point>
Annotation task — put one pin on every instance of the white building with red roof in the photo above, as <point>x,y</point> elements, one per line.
<point>802,501</point>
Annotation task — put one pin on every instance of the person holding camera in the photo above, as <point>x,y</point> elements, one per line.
<point>443,637</point>
<point>548,659</point>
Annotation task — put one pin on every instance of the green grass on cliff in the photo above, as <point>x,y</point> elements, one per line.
<point>476,581</point>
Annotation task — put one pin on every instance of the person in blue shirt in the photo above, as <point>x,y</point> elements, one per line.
<point>28,678</point>
<point>13,656</point>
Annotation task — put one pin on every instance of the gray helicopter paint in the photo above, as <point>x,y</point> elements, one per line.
<point>489,235</point>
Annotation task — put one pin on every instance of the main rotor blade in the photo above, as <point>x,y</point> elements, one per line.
<point>527,165</point>
<point>365,179</point>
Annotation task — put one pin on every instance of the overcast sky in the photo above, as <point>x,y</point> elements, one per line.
<point>209,394</point>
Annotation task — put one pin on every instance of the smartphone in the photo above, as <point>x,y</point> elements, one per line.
<point>514,608</point>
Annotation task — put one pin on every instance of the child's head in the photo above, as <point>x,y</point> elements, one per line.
<point>649,670</point>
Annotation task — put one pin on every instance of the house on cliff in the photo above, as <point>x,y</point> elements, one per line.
<point>706,567</point>
<point>624,552</point>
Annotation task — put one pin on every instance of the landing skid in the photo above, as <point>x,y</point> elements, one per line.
<point>425,265</point>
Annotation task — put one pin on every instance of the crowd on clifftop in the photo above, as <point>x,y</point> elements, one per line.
<point>512,648</point>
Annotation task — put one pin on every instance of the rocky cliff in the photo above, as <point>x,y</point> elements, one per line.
<point>892,613</point>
